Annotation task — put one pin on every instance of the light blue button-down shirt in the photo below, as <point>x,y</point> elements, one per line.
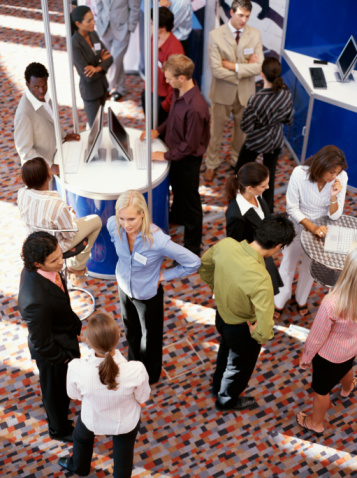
<point>140,280</point>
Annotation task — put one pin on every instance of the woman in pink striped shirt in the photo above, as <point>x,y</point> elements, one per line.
<point>331,346</point>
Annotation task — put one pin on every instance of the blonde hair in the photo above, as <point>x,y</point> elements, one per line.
<point>346,288</point>
<point>137,200</point>
<point>103,335</point>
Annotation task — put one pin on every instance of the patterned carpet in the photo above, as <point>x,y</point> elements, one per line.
<point>182,434</point>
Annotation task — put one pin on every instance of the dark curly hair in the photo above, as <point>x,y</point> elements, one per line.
<point>37,70</point>
<point>36,248</point>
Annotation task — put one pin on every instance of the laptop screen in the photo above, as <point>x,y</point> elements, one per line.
<point>119,134</point>
<point>348,57</point>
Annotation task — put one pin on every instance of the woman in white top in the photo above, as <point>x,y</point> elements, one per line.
<point>111,390</point>
<point>316,189</point>
<point>331,346</point>
<point>247,208</point>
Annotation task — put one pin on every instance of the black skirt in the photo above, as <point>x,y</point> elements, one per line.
<point>326,375</point>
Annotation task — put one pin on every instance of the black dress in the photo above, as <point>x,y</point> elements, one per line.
<point>241,227</point>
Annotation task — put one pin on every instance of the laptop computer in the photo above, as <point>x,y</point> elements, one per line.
<point>130,150</point>
<point>338,239</point>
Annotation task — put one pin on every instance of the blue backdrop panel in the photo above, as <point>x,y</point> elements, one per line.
<point>320,28</point>
<point>333,125</point>
<point>294,132</point>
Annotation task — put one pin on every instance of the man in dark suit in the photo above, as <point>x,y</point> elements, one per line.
<point>53,326</point>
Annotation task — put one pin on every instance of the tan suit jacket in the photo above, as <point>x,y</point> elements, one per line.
<point>225,83</point>
<point>34,132</point>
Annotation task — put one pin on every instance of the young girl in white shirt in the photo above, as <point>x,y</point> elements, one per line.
<point>111,390</point>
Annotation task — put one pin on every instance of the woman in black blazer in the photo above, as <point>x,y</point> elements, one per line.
<point>91,60</point>
<point>247,208</point>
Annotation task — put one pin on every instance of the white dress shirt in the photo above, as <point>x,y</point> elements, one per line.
<point>304,200</point>
<point>108,412</point>
<point>37,103</point>
<point>245,205</point>
<point>234,33</point>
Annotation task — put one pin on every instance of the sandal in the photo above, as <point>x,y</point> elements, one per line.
<point>277,313</point>
<point>304,425</point>
<point>354,385</point>
<point>302,308</point>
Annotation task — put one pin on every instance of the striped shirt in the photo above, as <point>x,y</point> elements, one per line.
<point>47,209</point>
<point>182,11</point>
<point>108,412</point>
<point>334,339</point>
<point>263,117</point>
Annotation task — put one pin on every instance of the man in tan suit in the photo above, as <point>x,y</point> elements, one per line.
<point>236,57</point>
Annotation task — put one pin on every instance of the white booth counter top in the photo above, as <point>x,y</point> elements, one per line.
<point>106,179</point>
<point>342,94</point>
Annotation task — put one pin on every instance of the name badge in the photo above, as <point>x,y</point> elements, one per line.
<point>248,51</point>
<point>159,64</point>
<point>142,259</point>
<point>97,46</point>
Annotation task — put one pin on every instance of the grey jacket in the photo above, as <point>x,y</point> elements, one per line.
<point>96,86</point>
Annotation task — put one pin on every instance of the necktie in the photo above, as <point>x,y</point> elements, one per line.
<point>237,36</point>
<point>58,282</point>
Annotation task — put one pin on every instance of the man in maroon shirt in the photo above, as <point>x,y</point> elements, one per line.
<point>186,133</point>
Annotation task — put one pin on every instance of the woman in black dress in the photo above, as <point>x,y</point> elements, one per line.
<point>247,208</point>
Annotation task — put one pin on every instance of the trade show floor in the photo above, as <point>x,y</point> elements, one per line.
<point>182,434</point>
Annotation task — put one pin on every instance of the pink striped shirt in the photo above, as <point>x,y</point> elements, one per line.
<point>334,339</point>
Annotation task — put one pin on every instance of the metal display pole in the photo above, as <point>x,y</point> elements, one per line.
<point>67,19</point>
<point>148,123</point>
<point>58,132</point>
<point>155,62</point>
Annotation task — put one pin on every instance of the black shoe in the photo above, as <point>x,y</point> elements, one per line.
<point>63,462</point>
<point>242,403</point>
<point>68,437</point>
<point>116,96</point>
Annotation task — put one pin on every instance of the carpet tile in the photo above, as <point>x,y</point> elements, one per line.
<point>182,434</point>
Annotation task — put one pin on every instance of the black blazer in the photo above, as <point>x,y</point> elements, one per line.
<point>241,227</point>
<point>96,86</point>
<point>53,326</point>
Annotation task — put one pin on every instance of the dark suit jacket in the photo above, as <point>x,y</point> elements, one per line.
<point>53,326</point>
<point>241,227</point>
<point>96,86</point>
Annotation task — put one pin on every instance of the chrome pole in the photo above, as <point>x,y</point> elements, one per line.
<point>67,18</point>
<point>148,122</point>
<point>155,62</point>
<point>58,132</point>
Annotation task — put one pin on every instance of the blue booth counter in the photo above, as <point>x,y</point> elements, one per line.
<point>96,186</point>
<point>322,116</point>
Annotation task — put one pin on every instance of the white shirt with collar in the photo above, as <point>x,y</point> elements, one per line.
<point>234,33</point>
<point>108,412</point>
<point>37,103</point>
<point>304,200</point>
<point>245,205</point>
